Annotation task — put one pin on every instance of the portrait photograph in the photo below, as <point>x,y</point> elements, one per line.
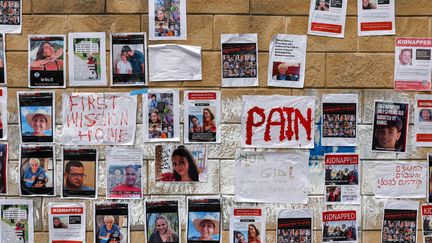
<point>124,181</point>
<point>37,174</point>
<point>203,226</point>
<point>286,71</point>
<point>111,222</point>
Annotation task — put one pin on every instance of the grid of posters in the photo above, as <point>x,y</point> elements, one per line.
<point>3,72</point>
<point>47,61</point>
<point>111,223</point>
<point>247,225</point>
<point>16,216</point>
<point>277,121</point>
<point>80,166</point>
<point>11,16</point>
<point>423,120</point>
<point>287,62</point>
<point>390,127</point>
<point>128,59</point>
<point>376,17</point>
<point>3,168</point>
<point>167,20</point>
<point>87,59</point>
<point>161,115</point>
<point>162,221</point>
<point>400,221</point>
<point>202,114</point>
<point>181,163</point>
<point>67,222</point>
<point>204,220</point>
<point>340,226</point>
<point>36,116</point>
<point>239,60</point>
<point>327,18</point>
<point>271,177</point>
<point>3,114</point>
<point>124,173</point>
<point>426,211</point>
<point>342,178</point>
<point>339,119</point>
<point>99,118</point>
<point>413,64</point>
<point>294,225</point>
<point>171,62</point>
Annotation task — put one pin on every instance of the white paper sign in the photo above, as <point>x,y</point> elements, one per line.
<point>67,222</point>
<point>271,177</point>
<point>327,18</point>
<point>423,120</point>
<point>243,221</point>
<point>16,217</point>
<point>167,20</point>
<point>376,17</point>
<point>400,221</point>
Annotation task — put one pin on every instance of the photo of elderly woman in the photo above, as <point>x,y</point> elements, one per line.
<point>286,71</point>
<point>162,221</point>
<point>204,219</point>
<point>111,223</point>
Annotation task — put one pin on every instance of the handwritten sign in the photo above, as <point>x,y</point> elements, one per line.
<point>99,118</point>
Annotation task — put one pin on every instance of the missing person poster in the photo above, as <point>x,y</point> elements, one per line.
<point>99,118</point>
<point>181,163</point>
<point>162,221</point>
<point>80,167</point>
<point>287,61</point>
<point>37,173</point>
<point>390,129</point>
<point>339,119</point>
<point>204,220</point>
<point>413,64</point>
<point>36,116</point>
<point>202,114</point>
<point>3,168</point>
<point>171,62</point>
<point>3,114</point>
<point>277,121</point>
<point>128,59</point>
<point>16,217</point>
<point>376,17</point>
<point>247,225</point>
<point>67,222</point>
<point>47,61</point>
<point>124,173</point>
<point>270,177</point>
<point>327,18</point>
<point>87,60</point>
<point>161,115</point>
<point>395,179</point>
<point>239,60</point>
<point>11,16</point>
<point>111,223</point>
<point>400,221</point>
<point>294,225</point>
<point>429,176</point>
<point>3,72</point>
<point>167,20</point>
<point>426,211</point>
<point>423,120</point>
<point>342,178</point>
<point>340,226</point>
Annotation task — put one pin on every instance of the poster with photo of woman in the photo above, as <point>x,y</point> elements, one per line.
<point>162,221</point>
<point>11,16</point>
<point>3,168</point>
<point>167,20</point>
<point>3,73</point>
<point>111,223</point>
<point>204,220</point>
<point>247,225</point>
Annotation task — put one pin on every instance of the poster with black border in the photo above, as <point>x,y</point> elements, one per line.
<point>247,225</point>
<point>36,116</point>
<point>111,222</point>
<point>47,61</point>
<point>327,18</point>
<point>340,226</point>
<point>128,59</point>
<point>16,216</point>
<point>37,170</point>
<point>429,179</point>
<point>3,113</point>
<point>162,221</point>
<point>422,120</point>
<point>3,168</point>
<point>400,221</point>
<point>376,17</point>
<point>11,16</point>
<point>426,210</point>
<point>3,69</point>
<point>204,220</point>
<point>80,173</point>
<point>294,225</point>
<point>167,19</point>
<point>67,222</point>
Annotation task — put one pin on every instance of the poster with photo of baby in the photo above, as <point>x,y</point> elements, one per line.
<point>400,221</point>
<point>3,72</point>
<point>162,221</point>
<point>37,173</point>
<point>167,19</point>
<point>128,59</point>
<point>111,222</point>
<point>3,114</point>
<point>161,116</point>
<point>204,220</point>
<point>422,120</point>
<point>376,17</point>
<point>47,61</point>
<point>294,225</point>
<point>247,225</point>
<point>11,16</point>
<point>3,168</point>
<point>36,116</point>
<point>16,219</point>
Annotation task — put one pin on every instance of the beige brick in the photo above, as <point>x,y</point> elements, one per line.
<point>218,6</point>
<point>126,6</point>
<point>418,7</point>
<point>267,27</point>
<point>107,23</point>
<point>69,6</point>
<point>315,70</point>
<point>359,70</point>
<point>282,7</point>
<point>229,24</point>
<point>17,69</point>
<point>27,6</point>
<point>352,8</point>
<point>263,59</point>
<point>41,237</point>
<point>211,69</point>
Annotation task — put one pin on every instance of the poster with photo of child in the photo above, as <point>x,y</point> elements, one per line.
<point>167,20</point>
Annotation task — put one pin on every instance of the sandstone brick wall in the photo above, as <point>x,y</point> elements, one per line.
<point>353,64</point>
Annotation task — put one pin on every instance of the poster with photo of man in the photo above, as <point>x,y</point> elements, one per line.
<point>11,16</point>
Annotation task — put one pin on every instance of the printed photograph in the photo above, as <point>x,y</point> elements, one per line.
<point>124,181</point>
<point>369,4</point>
<point>79,178</point>
<point>10,12</point>
<point>37,175</point>
<point>167,18</point>
<point>333,193</point>
<point>425,115</point>
<point>2,59</point>
<point>341,175</point>
<point>111,228</point>
<point>427,226</point>
<point>430,178</point>
<point>294,231</point>
<point>239,64</point>
<point>339,231</point>
<point>286,71</point>
<point>61,222</point>
<point>399,231</point>
<point>161,115</point>
<point>339,120</point>
<point>249,234</point>
<point>15,223</point>
<point>322,5</point>
<point>203,226</point>
<point>162,227</point>
<point>405,57</point>
<point>87,63</point>
<point>3,168</point>
<point>202,125</point>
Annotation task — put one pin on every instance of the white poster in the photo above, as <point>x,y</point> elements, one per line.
<point>400,221</point>
<point>239,60</point>
<point>16,217</point>
<point>271,177</point>
<point>87,59</point>
<point>3,114</point>
<point>247,225</point>
<point>171,62</point>
<point>340,226</point>
<point>294,225</point>
<point>11,21</point>
<point>167,20</point>
<point>339,118</point>
<point>3,69</point>
<point>426,210</point>
<point>423,120</point>
<point>67,222</point>
<point>376,17</point>
<point>277,121</point>
<point>202,114</point>
<point>287,61</point>
<point>395,179</point>
<point>327,18</point>
<point>99,118</point>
